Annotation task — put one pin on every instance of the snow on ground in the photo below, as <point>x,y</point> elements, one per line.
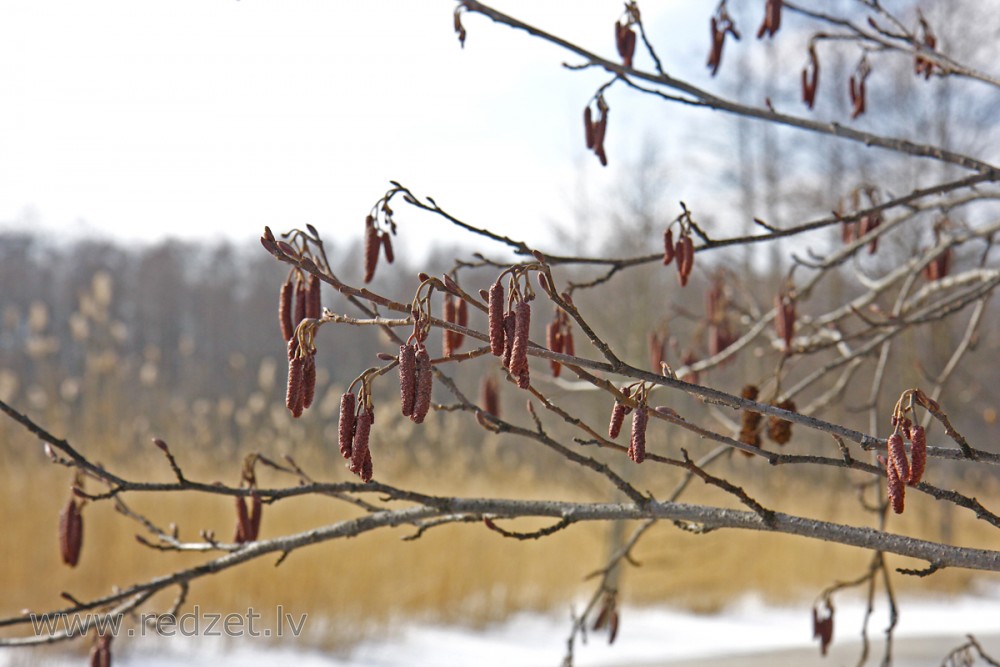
<point>648,636</point>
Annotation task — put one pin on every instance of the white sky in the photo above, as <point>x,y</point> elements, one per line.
<point>211,118</point>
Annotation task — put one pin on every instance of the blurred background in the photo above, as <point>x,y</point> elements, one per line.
<point>143,153</point>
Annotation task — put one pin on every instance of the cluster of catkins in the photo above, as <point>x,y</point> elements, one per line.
<point>721,24</point>
<point>376,241</point>
<point>778,430</point>
<point>248,521</point>
<point>682,250</point>
<point>856,87</point>
<point>772,18</point>
<point>625,36</point>
<point>595,129</point>
<point>640,419</point>
<point>720,335</point>
<point>855,229</point>
<point>354,431</point>
<point>923,66</point>
<point>509,332</point>
<point>559,337</point>
<point>456,311</point>
<point>899,470</point>
<point>299,300</point>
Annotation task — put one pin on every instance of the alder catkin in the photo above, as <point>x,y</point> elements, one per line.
<point>285,310</point>
<point>668,246</point>
<point>256,513</point>
<point>554,341</point>
<point>462,317</point>
<point>519,350</point>
<point>407,377</point>
<point>894,488</point>
<point>242,522</point>
<point>897,456</point>
<point>301,300</point>
<point>778,429</point>
<point>359,447</point>
<point>345,430</point>
<point>308,380</point>
<point>390,256</point>
<point>314,305</point>
<point>496,317</point>
<point>637,442</point>
<point>424,378</point>
<point>588,127</point>
<point>617,419</point>
<point>489,397</point>
<point>70,532</point>
<point>918,454</point>
<point>509,322</point>
<point>366,467</point>
<point>449,315</point>
<point>372,246</point>
<point>293,393</point>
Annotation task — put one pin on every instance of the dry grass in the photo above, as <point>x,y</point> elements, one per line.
<point>458,573</point>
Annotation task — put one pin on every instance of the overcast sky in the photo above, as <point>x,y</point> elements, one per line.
<point>211,118</point>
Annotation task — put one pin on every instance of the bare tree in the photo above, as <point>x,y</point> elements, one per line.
<point>915,257</point>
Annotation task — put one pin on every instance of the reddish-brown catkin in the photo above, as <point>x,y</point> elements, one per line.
<point>588,127</point>
<point>519,350</point>
<point>617,419</point>
<point>366,467</point>
<point>779,430</point>
<point>895,488</point>
<point>496,319</point>
<point>918,454</point>
<point>100,652</point>
<point>314,304</point>
<point>449,315</point>
<point>462,319</point>
<point>407,377</point>
<point>308,380</point>
<point>294,394</point>
<point>668,246</point>
<point>345,430</point>
<point>359,448</point>
<point>243,527</point>
<point>390,256</point>
<point>301,299</point>
<point>372,246</point>
<point>489,396</point>
<point>637,443</point>
<point>70,532</point>
<point>424,385</point>
<point>509,321</point>
<point>554,341</point>
<point>285,310</point>
<point>256,514</point>
<point>897,456</point>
